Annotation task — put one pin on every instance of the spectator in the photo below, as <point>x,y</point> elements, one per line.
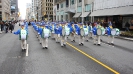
<point>127,25</point>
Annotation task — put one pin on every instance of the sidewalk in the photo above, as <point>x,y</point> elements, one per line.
<point>125,38</point>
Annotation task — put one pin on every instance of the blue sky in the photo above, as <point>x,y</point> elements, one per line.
<point>22,7</point>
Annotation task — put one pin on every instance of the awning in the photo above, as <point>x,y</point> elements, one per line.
<point>114,11</point>
<point>76,15</point>
<point>70,10</point>
<point>85,14</point>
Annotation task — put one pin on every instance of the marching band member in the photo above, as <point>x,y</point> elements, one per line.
<point>57,32</point>
<point>53,31</point>
<point>110,36</point>
<point>96,37</point>
<point>90,30</point>
<point>44,32</point>
<point>78,31</point>
<point>23,34</point>
<point>73,33</point>
<point>66,30</point>
<point>86,31</point>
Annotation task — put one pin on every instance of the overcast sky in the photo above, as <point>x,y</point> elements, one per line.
<point>22,7</point>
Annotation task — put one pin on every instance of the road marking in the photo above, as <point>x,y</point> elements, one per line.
<point>27,50</point>
<point>107,67</point>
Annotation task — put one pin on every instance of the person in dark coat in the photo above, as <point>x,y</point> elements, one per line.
<point>127,25</point>
<point>11,27</point>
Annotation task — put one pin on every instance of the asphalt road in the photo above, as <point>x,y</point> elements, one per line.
<point>72,59</point>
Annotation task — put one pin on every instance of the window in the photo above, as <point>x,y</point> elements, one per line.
<point>72,2</point>
<point>80,1</point>
<point>61,5</point>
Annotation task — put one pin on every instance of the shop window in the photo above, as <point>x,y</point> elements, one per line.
<point>72,2</point>
<point>61,5</point>
<point>80,1</point>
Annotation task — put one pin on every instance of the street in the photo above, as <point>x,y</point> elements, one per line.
<point>72,59</point>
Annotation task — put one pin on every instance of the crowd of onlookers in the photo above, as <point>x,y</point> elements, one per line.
<point>7,26</point>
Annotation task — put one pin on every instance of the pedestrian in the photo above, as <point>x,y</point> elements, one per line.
<point>127,25</point>
<point>23,35</point>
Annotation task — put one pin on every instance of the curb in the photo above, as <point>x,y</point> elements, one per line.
<point>124,38</point>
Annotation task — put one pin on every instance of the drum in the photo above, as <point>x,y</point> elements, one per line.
<point>103,31</point>
<point>86,31</point>
<point>99,31</point>
<point>117,31</point>
<point>46,33</point>
<point>63,32</point>
<point>23,35</point>
<point>82,32</point>
<point>113,32</point>
<point>67,31</point>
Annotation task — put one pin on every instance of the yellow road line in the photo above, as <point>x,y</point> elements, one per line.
<point>107,67</point>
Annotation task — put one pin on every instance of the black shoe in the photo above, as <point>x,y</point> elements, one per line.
<point>40,43</point>
<point>112,43</point>
<point>79,44</point>
<point>43,47</point>
<point>87,40</point>
<point>22,50</point>
<point>64,44</point>
<point>94,44</point>
<point>82,44</point>
<point>73,40</point>
<point>61,46</point>
<point>46,47</point>
<point>99,44</point>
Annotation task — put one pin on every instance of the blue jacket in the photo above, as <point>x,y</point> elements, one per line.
<point>59,30</point>
<point>94,30</point>
<point>77,30</point>
<point>108,30</point>
<point>18,32</point>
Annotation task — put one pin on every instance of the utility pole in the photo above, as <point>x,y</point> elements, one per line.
<point>82,10</point>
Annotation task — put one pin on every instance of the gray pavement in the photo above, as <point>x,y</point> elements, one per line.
<point>66,60</point>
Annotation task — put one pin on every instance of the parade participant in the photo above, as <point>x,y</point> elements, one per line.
<point>23,34</point>
<point>86,31</point>
<point>90,30</point>
<point>57,32</point>
<point>78,31</point>
<point>65,34</point>
<point>52,29</point>
<point>110,36</point>
<point>94,33</point>
<point>99,33</point>
<point>44,32</point>
<point>72,30</point>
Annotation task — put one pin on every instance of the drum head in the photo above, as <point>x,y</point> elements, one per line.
<point>99,31</point>
<point>63,32</point>
<point>103,32</point>
<point>113,32</point>
<point>82,32</point>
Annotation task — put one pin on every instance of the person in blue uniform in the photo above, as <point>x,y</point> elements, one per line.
<point>45,34</point>
<point>23,34</point>
<point>78,32</point>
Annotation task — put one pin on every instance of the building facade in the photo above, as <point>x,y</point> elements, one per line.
<point>4,10</point>
<point>14,9</point>
<point>47,9</point>
<point>118,11</point>
<point>73,10</point>
<point>28,11</point>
